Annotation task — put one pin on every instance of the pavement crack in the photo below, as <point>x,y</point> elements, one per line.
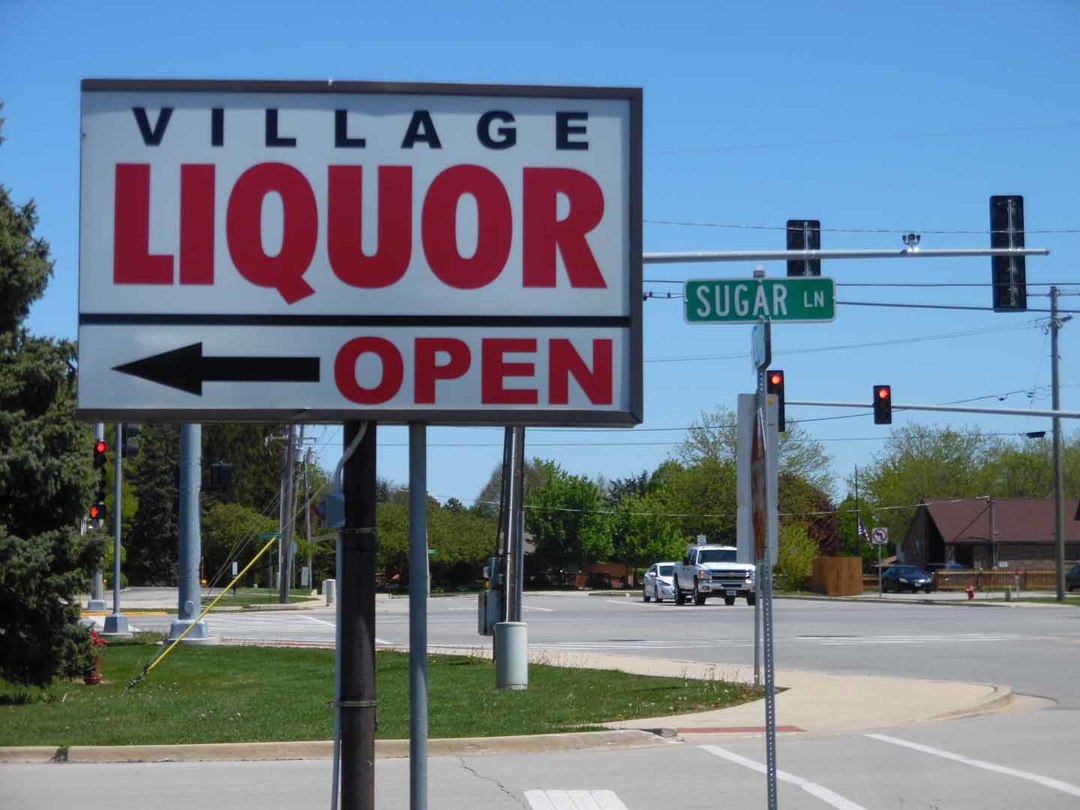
<point>519,799</point>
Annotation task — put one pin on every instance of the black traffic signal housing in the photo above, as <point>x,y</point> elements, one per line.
<point>129,440</point>
<point>804,234</point>
<point>1008,273</point>
<point>774,384</point>
<point>97,508</point>
<point>882,405</point>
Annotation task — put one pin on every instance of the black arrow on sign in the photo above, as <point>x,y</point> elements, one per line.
<point>187,369</point>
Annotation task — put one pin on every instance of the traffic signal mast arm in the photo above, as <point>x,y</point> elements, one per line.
<point>945,408</point>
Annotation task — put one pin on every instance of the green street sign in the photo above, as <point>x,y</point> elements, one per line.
<point>802,299</point>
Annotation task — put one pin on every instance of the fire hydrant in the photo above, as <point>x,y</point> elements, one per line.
<point>93,675</point>
<point>970,591</point>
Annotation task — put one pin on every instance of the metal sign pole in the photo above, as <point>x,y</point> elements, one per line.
<point>418,591</point>
<point>765,579</point>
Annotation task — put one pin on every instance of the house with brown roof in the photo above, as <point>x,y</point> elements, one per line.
<point>984,532</point>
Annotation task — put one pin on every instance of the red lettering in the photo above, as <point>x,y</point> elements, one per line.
<point>133,263</point>
<point>393,370</point>
<point>285,271</point>
<point>197,224</point>
<point>391,258</point>
<point>494,226</point>
<point>428,370</point>
<point>495,370</point>
<point>563,360</point>
<point>544,234</point>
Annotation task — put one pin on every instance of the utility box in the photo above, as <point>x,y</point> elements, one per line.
<point>490,611</point>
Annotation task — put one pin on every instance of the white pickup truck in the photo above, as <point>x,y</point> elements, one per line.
<point>709,570</point>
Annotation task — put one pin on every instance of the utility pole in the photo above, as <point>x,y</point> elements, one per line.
<point>307,517</point>
<point>1059,504</point>
<point>288,517</point>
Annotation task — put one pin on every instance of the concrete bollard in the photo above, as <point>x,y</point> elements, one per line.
<point>511,655</point>
<point>329,589</point>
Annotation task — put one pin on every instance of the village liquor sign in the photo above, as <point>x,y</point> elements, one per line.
<point>325,251</point>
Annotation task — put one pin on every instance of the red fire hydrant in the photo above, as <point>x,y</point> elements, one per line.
<point>970,590</point>
<point>93,675</point>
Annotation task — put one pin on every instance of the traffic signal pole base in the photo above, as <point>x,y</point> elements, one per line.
<point>116,624</point>
<point>199,633</point>
<point>512,655</point>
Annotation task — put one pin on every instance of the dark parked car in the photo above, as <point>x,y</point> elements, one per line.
<point>1072,578</point>
<point>906,578</point>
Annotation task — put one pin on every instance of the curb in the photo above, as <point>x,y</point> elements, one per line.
<point>324,749</point>
<point>862,600</point>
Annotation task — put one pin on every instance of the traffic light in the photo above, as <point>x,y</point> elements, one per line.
<point>774,384</point>
<point>129,444</point>
<point>97,508</point>
<point>804,234</point>
<point>1008,273</point>
<point>882,405</point>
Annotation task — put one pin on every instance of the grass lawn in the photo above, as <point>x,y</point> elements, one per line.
<point>243,694</point>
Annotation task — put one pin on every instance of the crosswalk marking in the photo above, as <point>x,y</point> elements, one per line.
<point>813,788</point>
<point>573,800</point>
<point>1045,781</point>
<point>911,639</point>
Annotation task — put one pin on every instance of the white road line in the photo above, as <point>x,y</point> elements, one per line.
<point>813,788</point>
<point>534,607</point>
<point>573,800</point>
<point>319,621</point>
<point>1045,781</point>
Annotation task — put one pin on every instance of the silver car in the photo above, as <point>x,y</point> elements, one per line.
<point>658,582</point>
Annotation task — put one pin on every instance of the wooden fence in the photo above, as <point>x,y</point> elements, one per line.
<point>997,579</point>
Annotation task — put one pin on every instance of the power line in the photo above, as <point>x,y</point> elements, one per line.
<point>866,344</point>
<point>892,231</point>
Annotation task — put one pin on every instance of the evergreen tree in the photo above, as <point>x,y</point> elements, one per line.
<point>45,474</point>
<point>154,541</point>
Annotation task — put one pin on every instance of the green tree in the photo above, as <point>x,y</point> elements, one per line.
<point>230,531</point>
<point>154,540</point>
<point>923,462</point>
<point>643,532</point>
<point>566,517</point>
<point>45,474</point>
<point>795,556</point>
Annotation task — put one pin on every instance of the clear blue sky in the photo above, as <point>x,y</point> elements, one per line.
<point>890,117</point>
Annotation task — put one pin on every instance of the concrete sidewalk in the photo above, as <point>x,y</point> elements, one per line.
<point>810,703</point>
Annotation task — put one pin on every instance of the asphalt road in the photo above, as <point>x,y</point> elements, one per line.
<point>1007,760</point>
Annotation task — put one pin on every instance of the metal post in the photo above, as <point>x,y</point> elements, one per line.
<point>767,626</point>
<point>288,518</point>
<point>509,489</point>
<point>117,623</point>
<point>1059,503</point>
<point>418,590</point>
<point>356,597</point>
<point>307,518</point>
<point>515,547</point>
<point>190,591</point>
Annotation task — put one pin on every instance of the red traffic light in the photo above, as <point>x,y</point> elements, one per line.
<point>97,511</point>
<point>776,377</point>
<point>100,446</point>
<point>882,405</point>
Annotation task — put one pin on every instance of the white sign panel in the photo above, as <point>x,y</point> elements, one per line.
<point>313,251</point>
<point>879,536</point>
